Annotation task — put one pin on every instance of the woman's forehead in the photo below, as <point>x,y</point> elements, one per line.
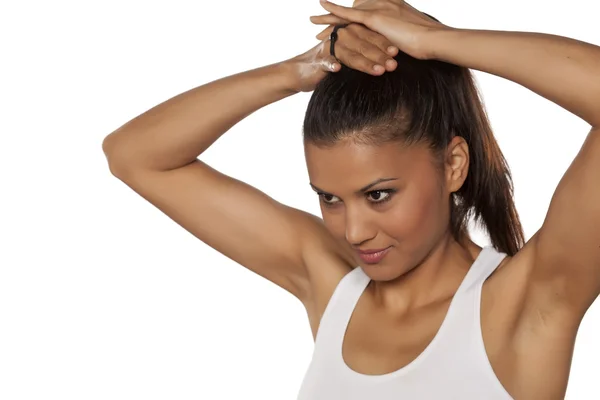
<point>348,158</point>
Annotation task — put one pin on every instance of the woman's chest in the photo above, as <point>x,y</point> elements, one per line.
<point>375,343</point>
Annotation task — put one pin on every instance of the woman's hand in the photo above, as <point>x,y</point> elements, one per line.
<point>357,47</point>
<point>405,26</point>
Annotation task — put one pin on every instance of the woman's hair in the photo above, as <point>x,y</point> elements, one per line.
<point>424,102</point>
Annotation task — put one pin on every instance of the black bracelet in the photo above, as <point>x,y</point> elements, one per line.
<point>333,37</point>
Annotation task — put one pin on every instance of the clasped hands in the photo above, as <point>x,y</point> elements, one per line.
<point>377,30</point>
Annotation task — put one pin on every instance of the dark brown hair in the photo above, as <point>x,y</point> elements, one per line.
<point>423,102</point>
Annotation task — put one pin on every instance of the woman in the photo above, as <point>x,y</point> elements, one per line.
<point>401,156</point>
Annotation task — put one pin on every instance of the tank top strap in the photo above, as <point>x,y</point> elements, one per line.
<point>339,309</point>
<point>485,264</point>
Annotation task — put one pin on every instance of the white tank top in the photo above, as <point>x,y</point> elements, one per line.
<point>453,366</point>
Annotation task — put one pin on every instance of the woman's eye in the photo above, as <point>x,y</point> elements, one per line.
<point>328,202</point>
<point>375,197</point>
<point>380,196</point>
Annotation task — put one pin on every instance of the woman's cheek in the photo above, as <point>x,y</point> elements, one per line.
<point>412,216</point>
<point>405,217</point>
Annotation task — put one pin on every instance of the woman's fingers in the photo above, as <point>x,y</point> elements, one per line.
<point>363,50</point>
<point>327,19</point>
<point>324,34</point>
<point>359,62</point>
<point>348,13</point>
<point>365,34</point>
<point>378,40</point>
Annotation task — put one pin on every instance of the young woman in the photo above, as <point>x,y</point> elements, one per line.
<point>401,302</point>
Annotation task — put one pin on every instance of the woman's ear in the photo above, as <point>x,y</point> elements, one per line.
<point>457,163</point>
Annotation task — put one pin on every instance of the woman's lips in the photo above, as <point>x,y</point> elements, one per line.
<point>373,258</point>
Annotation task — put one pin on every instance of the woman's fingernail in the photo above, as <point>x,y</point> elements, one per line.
<point>391,49</point>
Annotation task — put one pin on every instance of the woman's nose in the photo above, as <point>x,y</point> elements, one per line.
<point>359,230</point>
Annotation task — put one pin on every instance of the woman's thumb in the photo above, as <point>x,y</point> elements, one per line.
<point>330,63</point>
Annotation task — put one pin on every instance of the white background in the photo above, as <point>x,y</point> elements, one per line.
<point>104,297</point>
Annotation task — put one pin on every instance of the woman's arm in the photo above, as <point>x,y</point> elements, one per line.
<point>563,70</point>
<point>173,133</point>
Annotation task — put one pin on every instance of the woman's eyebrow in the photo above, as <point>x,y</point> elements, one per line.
<point>361,190</point>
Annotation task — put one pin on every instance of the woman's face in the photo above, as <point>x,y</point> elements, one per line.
<point>409,212</point>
